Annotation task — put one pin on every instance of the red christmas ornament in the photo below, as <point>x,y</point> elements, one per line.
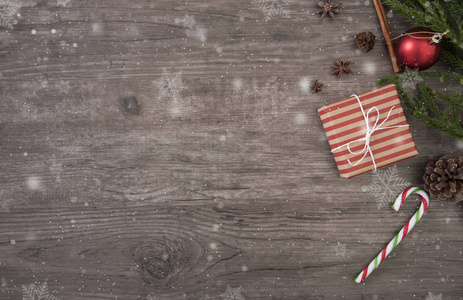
<point>416,49</point>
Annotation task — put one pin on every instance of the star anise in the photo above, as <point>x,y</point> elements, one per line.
<point>328,8</point>
<point>341,67</point>
<point>316,86</point>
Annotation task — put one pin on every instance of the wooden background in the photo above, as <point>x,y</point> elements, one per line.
<point>158,149</point>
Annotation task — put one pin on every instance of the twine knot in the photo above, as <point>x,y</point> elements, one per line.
<point>369,132</point>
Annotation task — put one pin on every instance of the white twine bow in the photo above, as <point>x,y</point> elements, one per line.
<point>368,134</point>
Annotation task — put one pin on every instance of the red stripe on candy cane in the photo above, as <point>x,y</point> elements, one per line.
<point>383,255</point>
<point>425,204</point>
<point>402,233</point>
<point>364,275</point>
<point>404,196</point>
<point>405,230</point>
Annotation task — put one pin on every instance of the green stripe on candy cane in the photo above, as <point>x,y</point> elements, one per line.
<point>402,233</point>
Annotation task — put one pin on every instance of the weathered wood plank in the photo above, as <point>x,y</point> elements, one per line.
<point>286,250</point>
<point>172,150</point>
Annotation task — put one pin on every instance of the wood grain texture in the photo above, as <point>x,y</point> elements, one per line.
<point>172,150</point>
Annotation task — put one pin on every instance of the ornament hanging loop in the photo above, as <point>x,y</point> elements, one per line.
<point>437,38</point>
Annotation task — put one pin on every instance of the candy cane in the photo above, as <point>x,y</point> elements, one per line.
<point>402,233</point>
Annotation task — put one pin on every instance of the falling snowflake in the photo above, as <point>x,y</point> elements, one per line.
<point>170,85</point>
<point>386,186</point>
<point>410,78</point>
<point>37,292</point>
<point>232,293</point>
<point>187,22</point>
<point>273,8</point>
<point>237,84</point>
<point>8,10</point>
<point>431,296</point>
<point>63,87</point>
<point>191,28</point>
<point>341,249</point>
<point>63,3</point>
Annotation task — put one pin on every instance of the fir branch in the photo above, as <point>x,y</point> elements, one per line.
<point>454,99</point>
<point>433,15</point>
<point>443,75</point>
<point>450,57</point>
<point>426,109</point>
<point>454,11</point>
<point>394,79</point>
<point>421,13</point>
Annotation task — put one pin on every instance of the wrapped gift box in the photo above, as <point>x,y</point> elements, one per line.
<point>359,147</point>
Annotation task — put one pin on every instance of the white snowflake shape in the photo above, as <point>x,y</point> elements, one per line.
<point>410,78</point>
<point>63,87</point>
<point>63,3</point>
<point>37,292</point>
<point>386,186</point>
<point>341,249</point>
<point>431,296</point>
<point>170,85</point>
<point>188,22</point>
<point>8,10</point>
<point>232,293</point>
<point>273,8</point>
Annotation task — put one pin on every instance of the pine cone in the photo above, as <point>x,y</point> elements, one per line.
<point>444,178</point>
<point>365,41</point>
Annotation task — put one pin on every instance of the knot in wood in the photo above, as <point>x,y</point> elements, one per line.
<point>154,264</point>
<point>165,261</point>
<point>130,106</point>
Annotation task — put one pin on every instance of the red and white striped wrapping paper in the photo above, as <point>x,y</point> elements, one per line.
<point>344,122</point>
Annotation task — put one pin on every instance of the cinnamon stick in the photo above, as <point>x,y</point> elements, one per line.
<point>386,33</point>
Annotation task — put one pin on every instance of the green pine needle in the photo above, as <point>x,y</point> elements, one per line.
<point>428,107</point>
<point>435,108</point>
<point>434,15</point>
